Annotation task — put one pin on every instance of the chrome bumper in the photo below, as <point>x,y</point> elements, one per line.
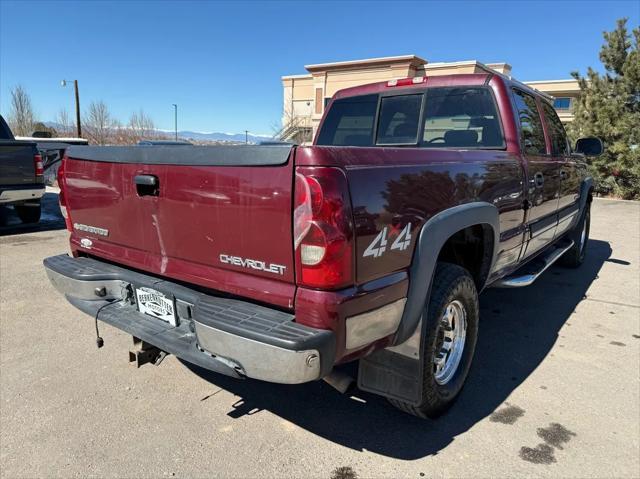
<point>230,336</point>
<point>260,360</point>
<point>20,194</point>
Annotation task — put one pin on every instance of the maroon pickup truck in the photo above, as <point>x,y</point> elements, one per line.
<point>279,262</point>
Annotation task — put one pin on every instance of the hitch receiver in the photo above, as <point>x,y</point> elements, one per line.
<point>144,353</point>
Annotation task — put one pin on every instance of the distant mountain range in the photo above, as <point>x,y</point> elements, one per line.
<point>198,135</point>
<point>216,136</point>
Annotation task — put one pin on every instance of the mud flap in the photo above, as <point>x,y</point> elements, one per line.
<point>395,372</point>
<point>391,375</point>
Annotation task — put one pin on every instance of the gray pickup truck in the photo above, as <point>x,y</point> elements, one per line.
<point>21,175</point>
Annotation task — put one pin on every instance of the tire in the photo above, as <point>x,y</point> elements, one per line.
<point>575,256</point>
<point>29,212</point>
<point>454,288</point>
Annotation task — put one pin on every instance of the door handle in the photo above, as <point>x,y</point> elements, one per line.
<point>538,179</point>
<point>147,185</point>
<point>146,180</point>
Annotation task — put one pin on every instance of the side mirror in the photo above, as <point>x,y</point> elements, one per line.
<point>591,146</point>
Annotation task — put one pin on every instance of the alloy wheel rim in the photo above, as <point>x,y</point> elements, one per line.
<point>452,333</point>
<point>583,235</point>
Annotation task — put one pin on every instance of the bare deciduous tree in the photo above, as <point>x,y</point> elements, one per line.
<point>141,126</point>
<point>120,134</point>
<point>66,126</point>
<point>98,123</point>
<point>21,112</point>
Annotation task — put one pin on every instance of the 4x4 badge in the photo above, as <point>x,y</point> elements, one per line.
<point>379,245</point>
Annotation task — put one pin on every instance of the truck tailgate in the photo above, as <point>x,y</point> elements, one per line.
<point>218,217</point>
<point>16,162</point>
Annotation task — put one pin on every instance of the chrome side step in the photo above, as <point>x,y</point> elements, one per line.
<point>532,270</point>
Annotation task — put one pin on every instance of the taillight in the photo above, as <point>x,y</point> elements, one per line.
<point>37,163</point>
<point>322,228</point>
<point>61,196</point>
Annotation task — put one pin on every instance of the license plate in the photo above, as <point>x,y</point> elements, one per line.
<point>156,304</point>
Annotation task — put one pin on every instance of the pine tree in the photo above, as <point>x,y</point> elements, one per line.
<point>609,108</point>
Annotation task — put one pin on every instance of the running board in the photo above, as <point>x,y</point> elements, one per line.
<point>533,269</point>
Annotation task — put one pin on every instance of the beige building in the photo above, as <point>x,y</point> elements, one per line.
<point>564,93</point>
<point>305,96</point>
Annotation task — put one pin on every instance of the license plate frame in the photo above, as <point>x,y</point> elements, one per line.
<point>156,304</point>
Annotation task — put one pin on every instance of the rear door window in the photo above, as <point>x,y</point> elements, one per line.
<point>531,132</point>
<point>399,120</point>
<point>461,117</point>
<point>349,122</point>
<point>559,144</point>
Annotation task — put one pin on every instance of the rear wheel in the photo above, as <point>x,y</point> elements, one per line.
<point>451,332</point>
<point>574,256</point>
<point>29,212</point>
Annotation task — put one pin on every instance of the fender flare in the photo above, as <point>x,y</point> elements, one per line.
<point>433,235</point>
<point>585,187</point>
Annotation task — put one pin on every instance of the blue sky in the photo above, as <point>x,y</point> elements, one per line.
<point>221,62</point>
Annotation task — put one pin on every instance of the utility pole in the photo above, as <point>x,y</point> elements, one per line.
<point>175,119</point>
<point>75,86</point>
<point>246,137</point>
<point>77,94</point>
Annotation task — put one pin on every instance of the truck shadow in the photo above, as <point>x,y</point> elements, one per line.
<point>518,329</point>
<point>51,218</point>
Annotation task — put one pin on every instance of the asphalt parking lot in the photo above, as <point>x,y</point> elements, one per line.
<point>554,390</point>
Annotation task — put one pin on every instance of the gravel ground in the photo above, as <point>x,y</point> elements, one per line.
<point>554,391</point>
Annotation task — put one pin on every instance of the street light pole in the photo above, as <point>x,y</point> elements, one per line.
<point>175,119</point>
<point>246,137</point>
<point>77,94</point>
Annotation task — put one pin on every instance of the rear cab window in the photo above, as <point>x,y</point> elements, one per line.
<point>349,122</point>
<point>464,117</point>
<point>439,117</point>
<point>399,120</point>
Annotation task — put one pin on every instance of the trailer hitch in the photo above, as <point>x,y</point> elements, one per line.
<point>144,353</point>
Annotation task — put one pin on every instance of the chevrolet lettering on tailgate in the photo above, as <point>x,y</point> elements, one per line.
<point>252,263</point>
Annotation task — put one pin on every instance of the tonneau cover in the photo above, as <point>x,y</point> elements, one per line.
<point>218,155</point>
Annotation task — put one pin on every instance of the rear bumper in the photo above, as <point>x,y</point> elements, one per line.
<point>225,335</point>
<point>21,193</point>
